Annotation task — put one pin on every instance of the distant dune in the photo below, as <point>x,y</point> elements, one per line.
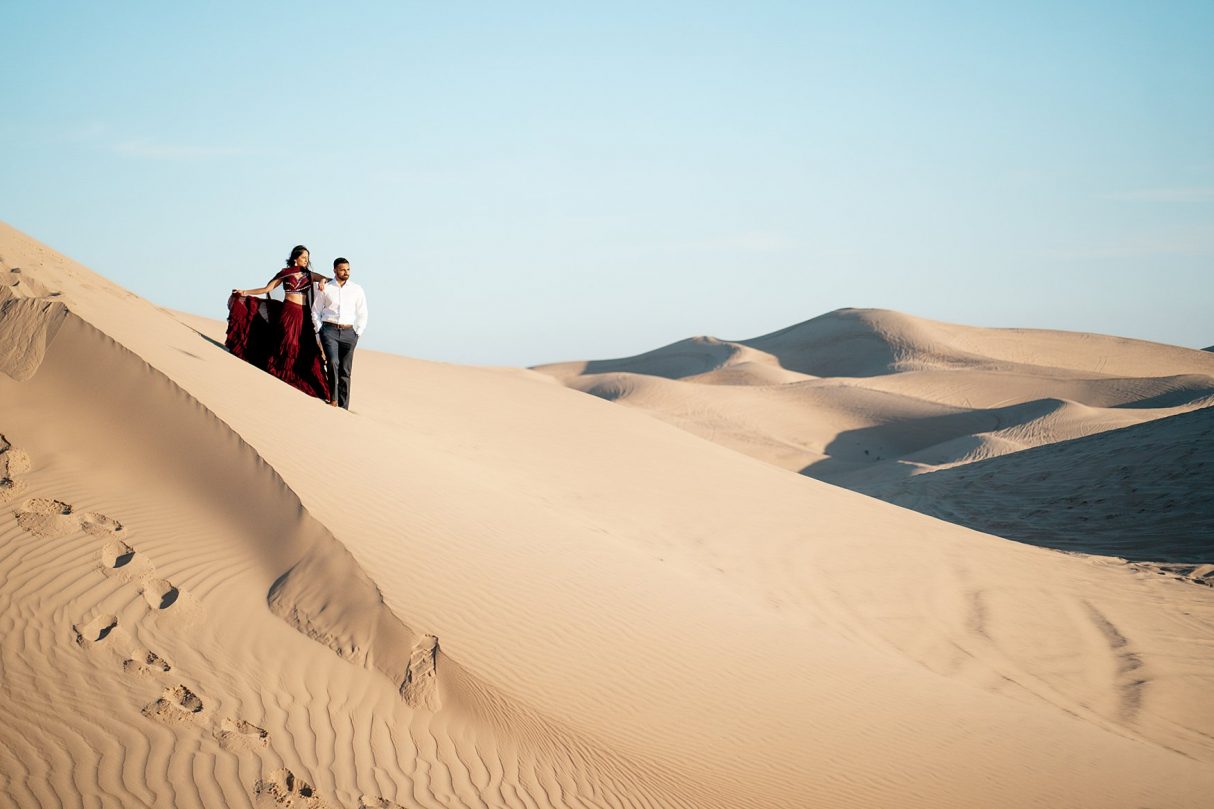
<point>884,403</point>
<point>481,589</point>
<point>1141,492</point>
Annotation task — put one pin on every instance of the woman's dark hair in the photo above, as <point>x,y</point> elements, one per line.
<point>296,252</point>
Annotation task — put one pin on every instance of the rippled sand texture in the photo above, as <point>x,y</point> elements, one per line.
<point>482,589</point>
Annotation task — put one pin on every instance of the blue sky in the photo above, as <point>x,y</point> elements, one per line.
<point>517,183</point>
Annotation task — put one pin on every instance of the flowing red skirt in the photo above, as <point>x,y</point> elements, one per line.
<point>277,337</point>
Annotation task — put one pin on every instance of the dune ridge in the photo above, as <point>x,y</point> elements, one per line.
<point>352,621</point>
<point>629,615</point>
<point>874,342</point>
<point>83,393</point>
<point>872,399</point>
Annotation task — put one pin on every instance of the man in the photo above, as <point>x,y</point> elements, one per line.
<point>340,316</point>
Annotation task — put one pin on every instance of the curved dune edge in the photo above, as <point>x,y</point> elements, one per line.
<point>64,372</point>
<point>351,619</point>
<point>862,343</point>
<point>875,400</point>
<point>323,593</point>
<point>794,645</point>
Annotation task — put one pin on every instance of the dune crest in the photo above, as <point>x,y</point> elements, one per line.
<point>323,594</point>
<point>874,400</point>
<point>630,616</point>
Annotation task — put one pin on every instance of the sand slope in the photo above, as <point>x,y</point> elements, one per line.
<point>484,589</point>
<point>872,399</point>
<point>1140,492</point>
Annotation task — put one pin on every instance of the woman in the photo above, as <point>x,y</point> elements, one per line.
<point>288,350</point>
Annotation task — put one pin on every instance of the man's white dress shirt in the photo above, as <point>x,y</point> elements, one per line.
<point>345,304</point>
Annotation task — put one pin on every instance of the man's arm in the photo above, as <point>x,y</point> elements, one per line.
<point>360,312</point>
<point>318,306</point>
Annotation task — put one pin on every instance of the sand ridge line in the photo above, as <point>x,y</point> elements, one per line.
<point>365,632</point>
<point>937,418</point>
<point>866,734</point>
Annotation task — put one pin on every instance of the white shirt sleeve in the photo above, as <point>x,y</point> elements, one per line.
<point>318,306</point>
<point>360,312</point>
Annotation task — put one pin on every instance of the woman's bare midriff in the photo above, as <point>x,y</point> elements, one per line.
<point>294,298</point>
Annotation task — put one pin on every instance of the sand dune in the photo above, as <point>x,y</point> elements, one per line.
<point>873,342</point>
<point>483,589</point>
<point>1140,492</point>
<point>912,397</point>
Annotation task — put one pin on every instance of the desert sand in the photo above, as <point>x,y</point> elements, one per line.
<point>1073,441</point>
<point>481,588</point>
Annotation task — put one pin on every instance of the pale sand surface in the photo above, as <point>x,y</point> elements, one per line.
<point>941,418</point>
<point>208,578</point>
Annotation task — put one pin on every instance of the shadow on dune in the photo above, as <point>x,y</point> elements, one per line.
<point>213,342</point>
<point>846,342</point>
<point>931,440</point>
<point>57,364</point>
<point>1189,390</point>
<point>1141,493</point>
<point>690,357</point>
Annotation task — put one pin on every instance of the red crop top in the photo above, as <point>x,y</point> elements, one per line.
<point>297,282</point>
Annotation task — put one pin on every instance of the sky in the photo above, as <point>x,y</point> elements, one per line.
<point>520,183</point>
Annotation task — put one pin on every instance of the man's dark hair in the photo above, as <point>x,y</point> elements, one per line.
<point>340,260</point>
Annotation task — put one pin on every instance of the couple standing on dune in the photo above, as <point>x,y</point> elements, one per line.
<point>279,337</point>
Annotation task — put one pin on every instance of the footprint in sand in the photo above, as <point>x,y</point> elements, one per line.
<point>13,462</point>
<point>237,734</point>
<point>177,704</point>
<point>99,525</point>
<point>170,602</point>
<point>369,802</point>
<point>43,517</point>
<point>95,631</point>
<point>420,688</point>
<point>120,559</point>
<point>282,788</point>
<point>10,489</point>
<point>146,663</point>
<point>160,594</point>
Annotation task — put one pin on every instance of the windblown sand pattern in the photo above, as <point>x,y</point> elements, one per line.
<point>491,591</point>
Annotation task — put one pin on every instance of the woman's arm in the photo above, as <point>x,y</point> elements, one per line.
<point>317,278</point>
<point>274,283</point>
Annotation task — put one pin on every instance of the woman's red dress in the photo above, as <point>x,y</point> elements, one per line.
<point>277,336</point>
